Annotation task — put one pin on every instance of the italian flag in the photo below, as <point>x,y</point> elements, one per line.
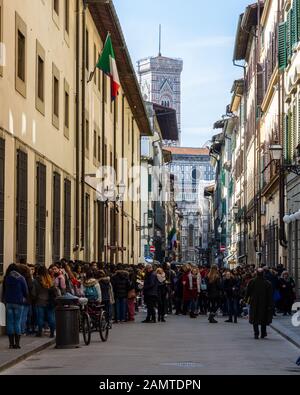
<point>107,63</point>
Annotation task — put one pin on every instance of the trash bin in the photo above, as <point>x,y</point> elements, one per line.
<point>67,322</point>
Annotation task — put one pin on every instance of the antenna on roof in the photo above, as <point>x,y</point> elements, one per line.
<point>159,51</point>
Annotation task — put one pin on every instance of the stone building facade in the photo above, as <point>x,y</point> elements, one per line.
<point>160,81</point>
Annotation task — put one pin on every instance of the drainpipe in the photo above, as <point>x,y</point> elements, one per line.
<point>105,207</point>
<point>83,121</point>
<point>77,122</point>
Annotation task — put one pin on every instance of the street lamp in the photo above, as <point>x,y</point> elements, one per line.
<point>276,155</point>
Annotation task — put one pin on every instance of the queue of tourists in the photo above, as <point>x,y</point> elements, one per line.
<point>30,293</point>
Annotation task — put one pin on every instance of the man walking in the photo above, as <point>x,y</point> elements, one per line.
<point>259,291</point>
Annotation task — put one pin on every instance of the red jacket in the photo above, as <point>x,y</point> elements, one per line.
<point>189,293</point>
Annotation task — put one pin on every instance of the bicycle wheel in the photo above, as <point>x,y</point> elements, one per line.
<point>86,328</point>
<point>103,326</point>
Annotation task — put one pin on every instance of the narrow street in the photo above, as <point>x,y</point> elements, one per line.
<point>181,346</point>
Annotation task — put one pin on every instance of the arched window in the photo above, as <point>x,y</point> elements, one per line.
<point>194,179</point>
<point>191,235</point>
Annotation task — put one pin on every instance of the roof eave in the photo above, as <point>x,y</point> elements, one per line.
<point>106,19</point>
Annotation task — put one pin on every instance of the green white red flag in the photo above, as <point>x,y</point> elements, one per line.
<point>107,63</point>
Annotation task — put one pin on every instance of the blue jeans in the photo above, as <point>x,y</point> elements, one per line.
<point>192,305</point>
<point>45,313</point>
<point>121,304</point>
<point>233,307</point>
<point>14,318</point>
<point>25,315</point>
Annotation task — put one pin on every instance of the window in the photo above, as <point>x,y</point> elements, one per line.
<point>67,110</point>
<point>95,62</point>
<point>56,6</point>
<point>67,219</point>
<point>21,32</point>
<point>105,87</point>
<point>99,149</point>
<point>87,228</point>
<point>2,54</point>
<point>87,136</point>
<point>40,79</point>
<point>67,16</point>
<point>21,205</point>
<point>95,144</point>
<point>99,75</point>
<point>2,184</point>
<point>87,50</point>
<point>56,218</point>
<point>55,94</point>
<point>40,214</point>
<point>191,235</point>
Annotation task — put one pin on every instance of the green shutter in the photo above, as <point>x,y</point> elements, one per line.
<point>231,185</point>
<point>288,34</point>
<point>282,49</point>
<point>297,12</point>
<point>293,27</point>
<point>224,207</point>
<point>223,179</point>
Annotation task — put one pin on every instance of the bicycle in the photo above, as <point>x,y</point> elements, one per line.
<point>93,317</point>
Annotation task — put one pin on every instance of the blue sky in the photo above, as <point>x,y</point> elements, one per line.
<point>200,32</point>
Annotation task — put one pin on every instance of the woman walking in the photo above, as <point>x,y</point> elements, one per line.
<point>213,291</point>
<point>15,292</point>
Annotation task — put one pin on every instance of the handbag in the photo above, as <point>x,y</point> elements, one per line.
<point>2,314</point>
<point>203,286</point>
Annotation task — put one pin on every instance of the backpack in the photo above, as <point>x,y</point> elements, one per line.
<point>91,293</point>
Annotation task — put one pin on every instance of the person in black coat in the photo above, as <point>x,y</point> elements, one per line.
<point>150,293</point>
<point>259,293</point>
<point>231,289</point>
<point>286,288</point>
<point>120,283</point>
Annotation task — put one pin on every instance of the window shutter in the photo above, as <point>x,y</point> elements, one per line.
<point>22,205</point>
<point>56,218</point>
<point>288,34</point>
<point>297,12</point>
<point>41,214</point>
<point>293,27</point>
<point>282,46</point>
<point>2,183</point>
<point>67,219</point>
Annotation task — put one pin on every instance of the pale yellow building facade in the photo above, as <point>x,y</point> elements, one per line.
<point>50,208</point>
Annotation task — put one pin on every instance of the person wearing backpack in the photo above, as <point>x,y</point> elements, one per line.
<point>91,288</point>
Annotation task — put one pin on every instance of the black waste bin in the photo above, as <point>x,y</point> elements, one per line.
<point>67,322</point>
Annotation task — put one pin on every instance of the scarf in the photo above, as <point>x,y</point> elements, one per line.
<point>191,277</point>
<point>161,277</point>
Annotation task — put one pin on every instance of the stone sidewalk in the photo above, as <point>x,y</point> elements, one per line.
<point>283,325</point>
<point>30,345</point>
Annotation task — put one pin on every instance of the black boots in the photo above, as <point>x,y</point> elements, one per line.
<point>17,341</point>
<point>14,341</point>
<point>211,319</point>
<point>11,341</point>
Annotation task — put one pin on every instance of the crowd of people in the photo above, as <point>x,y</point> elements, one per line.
<point>30,292</point>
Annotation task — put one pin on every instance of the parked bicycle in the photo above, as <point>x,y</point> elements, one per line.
<point>93,318</point>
